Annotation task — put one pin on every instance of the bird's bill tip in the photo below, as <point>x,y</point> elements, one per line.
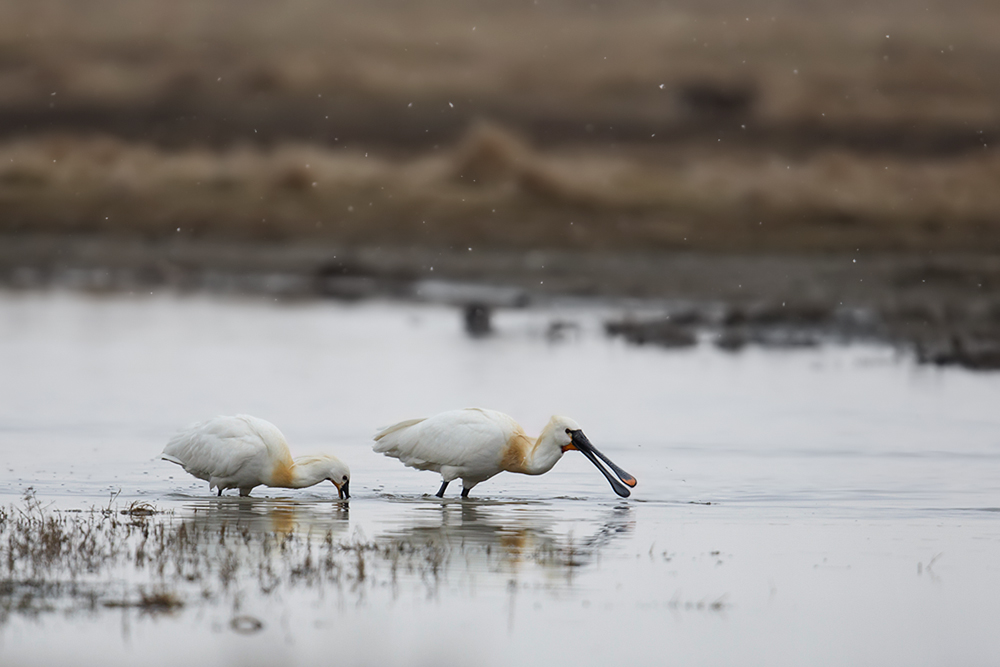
<point>580,443</point>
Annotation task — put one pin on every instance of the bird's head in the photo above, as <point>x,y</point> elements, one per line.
<point>318,467</point>
<point>340,475</point>
<point>562,430</point>
<point>568,435</point>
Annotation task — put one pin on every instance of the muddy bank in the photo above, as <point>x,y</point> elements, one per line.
<point>945,308</point>
<point>692,126</point>
<point>799,75</point>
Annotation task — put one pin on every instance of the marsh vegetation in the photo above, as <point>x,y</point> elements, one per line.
<point>134,556</point>
<point>787,126</point>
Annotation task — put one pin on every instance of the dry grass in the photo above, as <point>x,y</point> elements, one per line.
<point>521,61</point>
<point>156,563</point>
<point>494,189</point>
<point>783,125</point>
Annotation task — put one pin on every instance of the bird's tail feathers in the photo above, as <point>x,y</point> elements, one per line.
<point>172,459</point>
<point>388,430</point>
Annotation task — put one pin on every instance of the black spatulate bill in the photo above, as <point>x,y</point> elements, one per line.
<point>581,443</point>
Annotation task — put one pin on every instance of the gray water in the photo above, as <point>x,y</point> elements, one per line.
<point>831,505</point>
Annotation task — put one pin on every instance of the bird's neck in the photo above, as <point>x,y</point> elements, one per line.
<point>298,473</point>
<point>531,457</point>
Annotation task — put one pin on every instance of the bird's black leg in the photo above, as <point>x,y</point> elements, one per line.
<point>440,493</point>
<point>220,490</point>
<point>465,492</point>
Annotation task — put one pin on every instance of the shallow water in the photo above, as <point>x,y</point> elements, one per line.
<point>833,505</point>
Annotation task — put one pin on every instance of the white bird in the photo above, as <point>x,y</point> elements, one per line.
<point>474,444</point>
<point>242,452</point>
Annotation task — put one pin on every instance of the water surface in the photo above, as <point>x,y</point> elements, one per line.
<point>831,505</point>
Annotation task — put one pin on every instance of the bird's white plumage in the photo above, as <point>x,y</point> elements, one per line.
<point>225,451</point>
<point>465,443</point>
<point>243,452</point>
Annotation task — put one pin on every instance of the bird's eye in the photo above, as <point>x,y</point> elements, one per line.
<point>569,430</point>
<point>345,478</point>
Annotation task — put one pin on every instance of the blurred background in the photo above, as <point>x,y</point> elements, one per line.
<point>722,235</point>
<point>753,153</point>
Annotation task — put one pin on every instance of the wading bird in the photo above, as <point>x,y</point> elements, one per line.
<point>474,444</point>
<point>242,452</point>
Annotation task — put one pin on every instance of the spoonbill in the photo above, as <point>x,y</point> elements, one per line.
<point>476,444</point>
<point>242,452</point>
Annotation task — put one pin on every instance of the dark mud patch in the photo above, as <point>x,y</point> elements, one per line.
<point>968,341</point>
<point>661,332</point>
<point>734,326</point>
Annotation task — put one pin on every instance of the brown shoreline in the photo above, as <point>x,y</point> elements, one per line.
<point>945,308</point>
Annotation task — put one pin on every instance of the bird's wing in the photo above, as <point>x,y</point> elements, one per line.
<point>274,441</point>
<point>455,438</point>
<point>219,447</point>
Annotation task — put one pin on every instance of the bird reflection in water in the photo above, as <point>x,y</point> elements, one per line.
<point>266,515</point>
<point>506,538</point>
<point>229,546</point>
